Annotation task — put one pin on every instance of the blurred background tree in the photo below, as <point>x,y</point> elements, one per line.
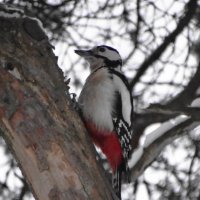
<point>159,43</point>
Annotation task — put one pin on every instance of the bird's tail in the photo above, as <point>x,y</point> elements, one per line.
<point>117,177</point>
<point>116,182</point>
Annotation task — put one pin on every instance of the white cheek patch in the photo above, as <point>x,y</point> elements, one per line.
<point>110,54</point>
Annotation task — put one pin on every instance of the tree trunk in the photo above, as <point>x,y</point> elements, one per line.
<point>45,135</point>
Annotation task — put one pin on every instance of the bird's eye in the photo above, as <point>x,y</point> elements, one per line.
<point>101,49</point>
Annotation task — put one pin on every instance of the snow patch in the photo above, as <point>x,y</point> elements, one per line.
<point>9,15</point>
<point>136,156</point>
<point>12,12</point>
<point>39,23</point>
<point>166,126</point>
<point>151,137</point>
<point>15,73</point>
<point>196,133</point>
<point>196,103</point>
<point>198,91</point>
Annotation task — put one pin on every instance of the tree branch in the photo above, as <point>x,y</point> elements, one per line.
<point>188,94</point>
<point>184,21</point>
<point>147,153</point>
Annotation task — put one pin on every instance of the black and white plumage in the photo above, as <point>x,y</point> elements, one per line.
<point>107,109</point>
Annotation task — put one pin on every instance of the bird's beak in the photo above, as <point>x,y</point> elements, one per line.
<point>84,53</point>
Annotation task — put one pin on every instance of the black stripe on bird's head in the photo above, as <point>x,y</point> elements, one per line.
<point>102,55</point>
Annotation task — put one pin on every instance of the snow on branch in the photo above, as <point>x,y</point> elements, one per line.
<point>196,103</point>
<point>155,142</point>
<point>150,138</point>
<point>33,26</point>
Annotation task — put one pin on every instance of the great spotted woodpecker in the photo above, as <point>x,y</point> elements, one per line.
<point>107,109</point>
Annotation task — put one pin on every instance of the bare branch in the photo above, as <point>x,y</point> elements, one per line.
<point>151,151</point>
<point>189,13</point>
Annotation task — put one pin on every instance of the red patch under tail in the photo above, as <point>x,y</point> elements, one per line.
<point>108,142</point>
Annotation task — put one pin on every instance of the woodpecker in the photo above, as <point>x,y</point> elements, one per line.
<point>107,108</point>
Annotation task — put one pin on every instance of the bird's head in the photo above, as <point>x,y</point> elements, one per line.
<point>101,56</point>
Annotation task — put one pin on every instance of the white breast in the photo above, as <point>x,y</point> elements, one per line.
<point>96,99</point>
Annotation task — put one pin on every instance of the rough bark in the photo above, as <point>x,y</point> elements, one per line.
<point>45,135</point>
